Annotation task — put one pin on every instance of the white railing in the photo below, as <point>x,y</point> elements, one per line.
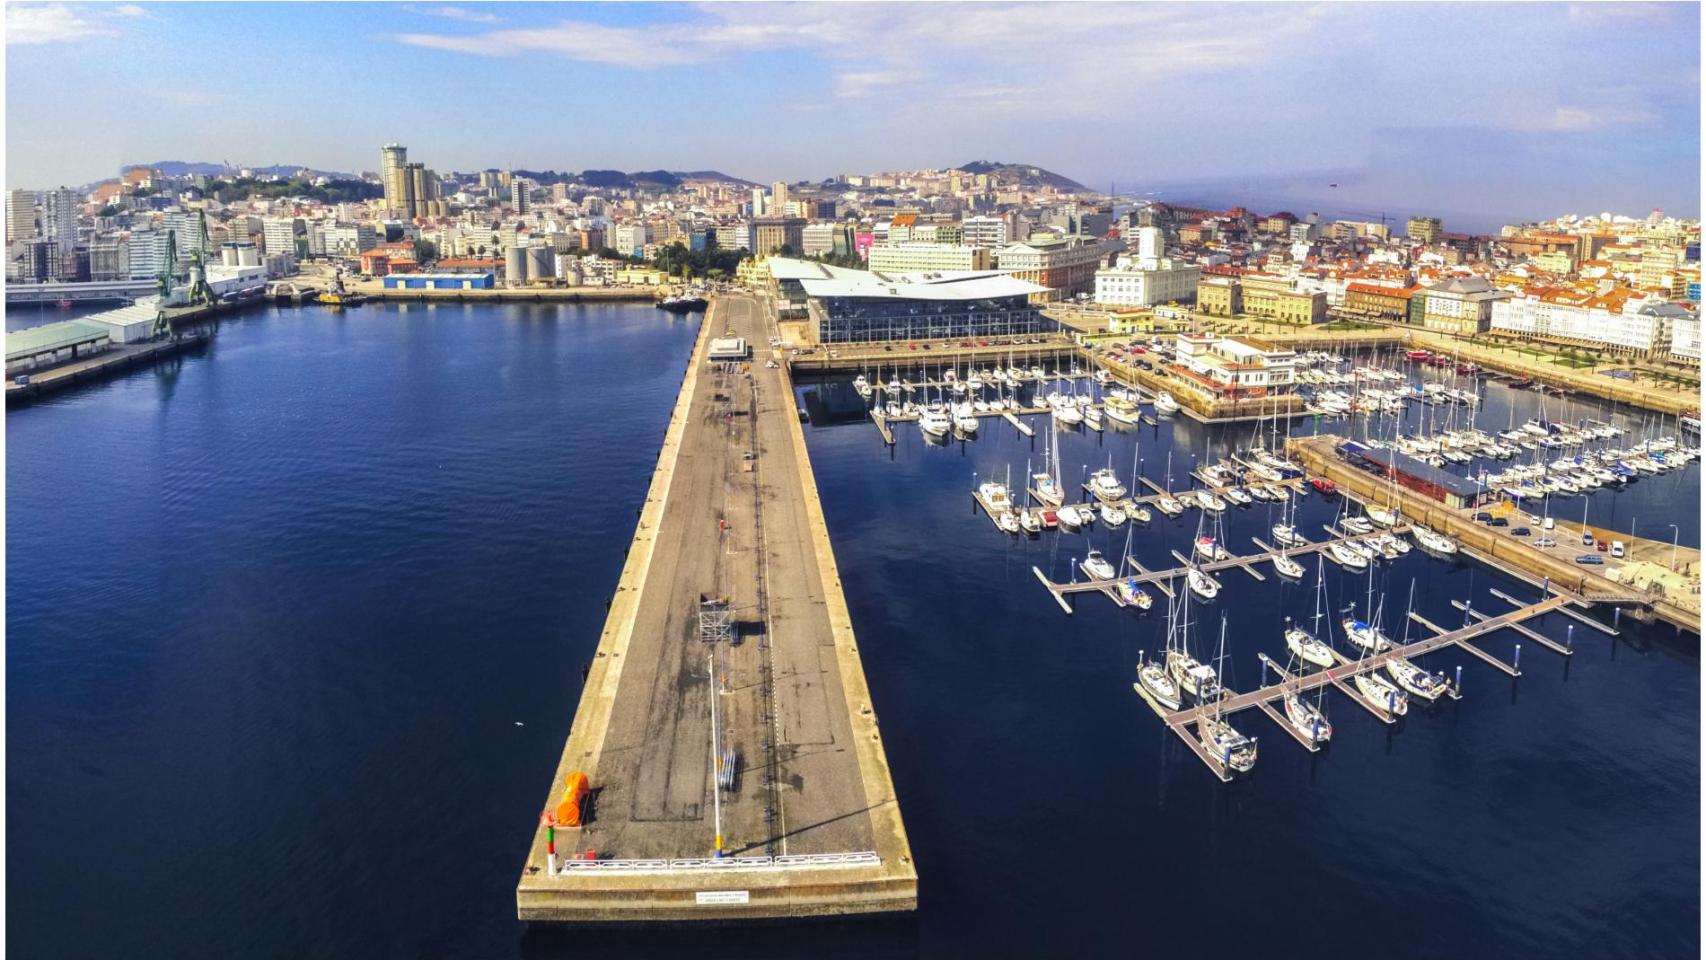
<point>813,861</point>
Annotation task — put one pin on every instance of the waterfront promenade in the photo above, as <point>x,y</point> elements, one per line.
<point>808,824</point>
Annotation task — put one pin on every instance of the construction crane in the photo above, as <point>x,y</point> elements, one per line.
<point>200,292</point>
<point>163,282</point>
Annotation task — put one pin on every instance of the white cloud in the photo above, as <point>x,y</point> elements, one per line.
<point>454,13</point>
<point>1053,59</point>
<point>130,10</point>
<point>28,23</point>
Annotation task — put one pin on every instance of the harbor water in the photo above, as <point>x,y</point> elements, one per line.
<point>296,627</point>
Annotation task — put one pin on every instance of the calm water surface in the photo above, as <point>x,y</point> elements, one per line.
<point>276,612</point>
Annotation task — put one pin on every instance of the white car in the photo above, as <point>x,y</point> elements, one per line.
<point>1545,542</point>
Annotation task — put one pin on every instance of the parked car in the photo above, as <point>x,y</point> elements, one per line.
<point>1545,542</point>
<point>1498,522</point>
<point>1587,539</point>
<point>1617,549</point>
<point>1483,517</point>
<point>1590,559</point>
<point>1521,532</point>
<point>1601,546</point>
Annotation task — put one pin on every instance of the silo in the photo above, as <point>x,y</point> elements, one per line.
<point>515,267</point>
<point>541,266</point>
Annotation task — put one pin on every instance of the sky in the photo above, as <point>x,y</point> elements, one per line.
<point>1470,111</point>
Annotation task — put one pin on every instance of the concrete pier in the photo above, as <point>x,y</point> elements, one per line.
<point>809,824</point>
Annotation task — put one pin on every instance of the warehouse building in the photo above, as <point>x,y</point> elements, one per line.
<point>1412,474</point>
<point>439,281</point>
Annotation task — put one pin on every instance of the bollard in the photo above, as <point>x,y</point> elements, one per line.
<point>550,850</point>
<point>1570,637</point>
<point>1616,616</point>
<point>1459,681</point>
<point>1518,663</point>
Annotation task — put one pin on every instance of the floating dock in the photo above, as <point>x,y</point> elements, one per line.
<point>725,727</point>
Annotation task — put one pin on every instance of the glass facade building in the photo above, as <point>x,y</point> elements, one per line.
<point>851,319</point>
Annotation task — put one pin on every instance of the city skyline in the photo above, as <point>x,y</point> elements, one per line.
<point>1399,107</point>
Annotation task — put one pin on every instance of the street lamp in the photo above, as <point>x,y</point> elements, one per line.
<point>1674,534</point>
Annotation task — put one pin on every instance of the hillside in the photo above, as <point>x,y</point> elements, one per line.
<point>1026,174</point>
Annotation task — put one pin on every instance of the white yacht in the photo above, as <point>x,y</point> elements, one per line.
<point>1097,567</point>
<point>1106,485</point>
<point>1194,678</point>
<point>1007,522</point>
<point>1227,745</point>
<point>862,386</point>
<point>935,421</point>
<point>1029,522</point>
<point>1169,505</point>
<point>1210,502</point>
<point>1237,495</point>
<point>1286,534</point>
<point>965,420</point>
<point>1287,567</point>
<point>1131,595</point>
<point>1384,516</point>
<point>1047,490</point>
<point>1165,405</point>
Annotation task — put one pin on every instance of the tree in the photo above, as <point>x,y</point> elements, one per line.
<point>425,251</point>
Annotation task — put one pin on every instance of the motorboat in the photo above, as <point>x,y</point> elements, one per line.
<point>1165,405</point>
<point>1169,505</point>
<point>1072,517</point>
<point>1355,525</point>
<point>965,419</point>
<point>1286,534</point>
<point>1112,514</point>
<point>1097,567</point>
<point>935,421</point>
<point>1030,522</point>
<point>1067,413</point>
<point>1106,485</point>
<point>1007,522</point>
<point>995,496</point>
<point>1210,502</point>
<point>1121,410</point>
<point>1153,680</point>
<point>862,386</point>
<point>1237,495</point>
<point>1385,516</point>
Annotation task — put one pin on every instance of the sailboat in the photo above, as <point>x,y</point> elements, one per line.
<point>1200,583</point>
<point>1231,748</point>
<point>1308,718</point>
<point>1190,674</point>
<point>1044,485</point>
<point>1153,678</point>
<point>1409,676</point>
<point>1303,644</point>
<point>1364,634</point>
<point>1127,593</point>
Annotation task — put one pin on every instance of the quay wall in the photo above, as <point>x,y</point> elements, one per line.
<point>1317,456</point>
<point>679,895</point>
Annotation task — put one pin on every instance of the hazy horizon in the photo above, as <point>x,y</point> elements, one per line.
<point>1515,111</point>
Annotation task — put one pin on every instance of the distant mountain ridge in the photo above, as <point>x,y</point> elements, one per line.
<point>1027,174</point>
<point>184,168</point>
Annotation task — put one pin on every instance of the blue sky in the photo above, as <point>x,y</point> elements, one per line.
<point>1519,110</point>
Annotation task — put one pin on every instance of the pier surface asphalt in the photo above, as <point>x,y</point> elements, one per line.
<point>731,513</point>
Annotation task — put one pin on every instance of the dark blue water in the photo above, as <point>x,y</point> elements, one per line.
<point>274,613</point>
<point>274,616</point>
<point>1047,805</point>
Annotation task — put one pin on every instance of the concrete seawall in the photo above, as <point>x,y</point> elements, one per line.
<point>841,848</point>
<point>1316,454</point>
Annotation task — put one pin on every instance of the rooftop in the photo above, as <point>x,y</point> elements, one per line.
<point>51,336</point>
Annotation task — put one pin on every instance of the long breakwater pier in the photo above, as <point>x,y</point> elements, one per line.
<point>724,762</point>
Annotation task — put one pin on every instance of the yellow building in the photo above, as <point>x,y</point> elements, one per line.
<point>641,276</point>
<point>1219,296</point>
